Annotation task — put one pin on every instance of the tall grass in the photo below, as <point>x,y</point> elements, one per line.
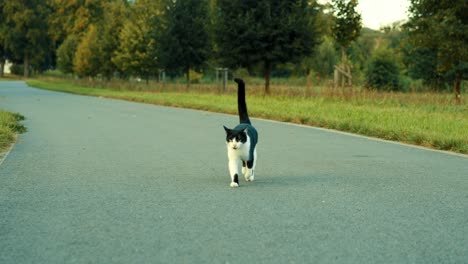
<point>426,119</point>
<point>9,127</point>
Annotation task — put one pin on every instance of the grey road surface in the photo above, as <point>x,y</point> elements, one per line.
<point>105,181</point>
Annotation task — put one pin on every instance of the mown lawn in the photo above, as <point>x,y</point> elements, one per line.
<point>428,119</point>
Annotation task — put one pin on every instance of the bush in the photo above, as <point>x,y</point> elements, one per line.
<point>383,72</point>
<point>18,69</point>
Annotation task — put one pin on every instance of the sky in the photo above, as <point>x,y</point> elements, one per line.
<point>377,13</point>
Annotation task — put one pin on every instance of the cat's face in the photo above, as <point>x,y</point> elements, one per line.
<point>234,138</point>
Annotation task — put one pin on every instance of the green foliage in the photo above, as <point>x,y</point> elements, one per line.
<point>325,58</point>
<point>86,60</point>
<point>383,72</point>
<point>136,53</point>
<point>421,63</point>
<point>269,32</point>
<point>74,17</point>
<point>24,31</point>
<point>185,40</point>
<point>347,26</point>
<point>441,27</point>
<point>17,69</point>
<point>66,54</point>
<point>109,33</point>
<point>69,22</point>
<point>361,50</point>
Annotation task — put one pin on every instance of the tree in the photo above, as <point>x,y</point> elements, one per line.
<point>26,31</point>
<point>66,54</point>
<point>74,16</point>
<point>86,60</point>
<point>109,32</point>
<point>71,19</point>
<point>347,26</point>
<point>421,63</point>
<point>137,51</point>
<point>442,26</point>
<point>185,41</point>
<point>266,32</point>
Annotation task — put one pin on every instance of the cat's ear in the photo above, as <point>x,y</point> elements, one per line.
<point>227,130</point>
<point>245,131</point>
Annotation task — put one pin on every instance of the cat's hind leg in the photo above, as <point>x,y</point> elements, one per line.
<point>249,171</point>
<point>244,168</point>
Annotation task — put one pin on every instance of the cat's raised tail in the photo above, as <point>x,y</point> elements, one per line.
<point>241,104</point>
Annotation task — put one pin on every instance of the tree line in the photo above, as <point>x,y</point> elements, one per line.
<point>119,39</point>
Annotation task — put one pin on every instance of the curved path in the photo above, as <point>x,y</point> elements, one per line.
<point>105,181</point>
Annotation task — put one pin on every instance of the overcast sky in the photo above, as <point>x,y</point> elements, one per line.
<point>376,13</point>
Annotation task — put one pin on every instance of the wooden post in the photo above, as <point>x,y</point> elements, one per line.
<point>162,76</point>
<point>350,77</point>
<point>457,89</point>
<point>221,79</point>
<point>336,76</point>
<point>217,79</point>
<point>342,74</point>
<point>225,79</point>
<point>343,79</point>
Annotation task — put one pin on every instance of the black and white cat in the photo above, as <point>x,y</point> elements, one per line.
<point>241,142</point>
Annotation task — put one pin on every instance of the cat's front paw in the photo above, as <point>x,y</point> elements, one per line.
<point>249,178</point>
<point>234,184</point>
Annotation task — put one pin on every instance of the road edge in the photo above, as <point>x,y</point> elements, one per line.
<point>4,155</point>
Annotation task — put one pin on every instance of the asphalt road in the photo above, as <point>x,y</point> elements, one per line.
<point>105,181</point>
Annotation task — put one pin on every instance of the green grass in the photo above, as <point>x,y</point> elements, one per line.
<point>9,127</point>
<point>426,119</point>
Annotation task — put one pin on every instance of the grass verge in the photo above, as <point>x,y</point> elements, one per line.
<point>9,127</point>
<point>427,120</point>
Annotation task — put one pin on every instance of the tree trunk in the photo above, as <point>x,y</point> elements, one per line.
<point>2,67</point>
<point>188,79</point>
<point>26,66</point>
<point>267,74</point>
<point>343,54</point>
<point>457,89</point>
